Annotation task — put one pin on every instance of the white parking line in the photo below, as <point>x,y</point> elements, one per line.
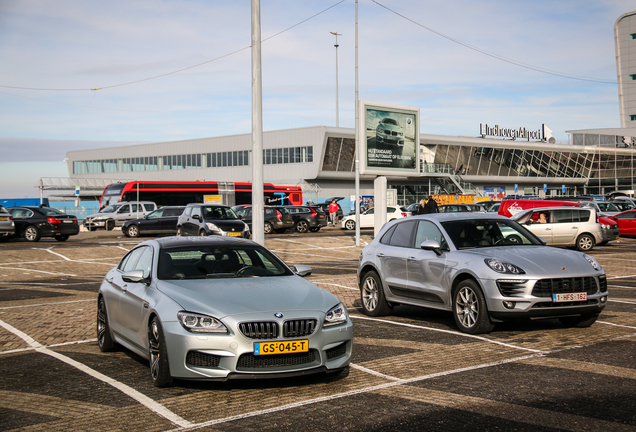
<point>617,325</point>
<point>37,271</point>
<point>45,304</point>
<point>144,400</point>
<point>447,331</point>
<point>341,286</point>
<point>372,372</point>
<point>48,346</point>
<point>621,301</point>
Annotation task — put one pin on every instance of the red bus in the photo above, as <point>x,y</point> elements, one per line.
<point>184,192</point>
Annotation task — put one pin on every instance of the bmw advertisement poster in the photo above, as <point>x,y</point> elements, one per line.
<point>389,139</point>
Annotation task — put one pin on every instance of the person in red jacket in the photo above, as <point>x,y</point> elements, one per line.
<point>333,211</point>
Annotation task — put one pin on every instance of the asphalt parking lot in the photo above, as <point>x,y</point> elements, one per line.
<point>410,371</point>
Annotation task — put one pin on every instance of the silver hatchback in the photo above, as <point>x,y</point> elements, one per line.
<point>7,226</point>
<point>482,268</point>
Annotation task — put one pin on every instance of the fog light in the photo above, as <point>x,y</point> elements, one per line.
<point>509,304</point>
<point>603,299</point>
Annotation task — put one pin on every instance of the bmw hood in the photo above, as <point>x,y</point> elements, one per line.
<point>231,296</point>
<point>545,261</point>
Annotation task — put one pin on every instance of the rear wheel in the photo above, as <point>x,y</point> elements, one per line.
<point>302,226</point>
<point>315,229</point>
<point>133,231</point>
<point>585,242</point>
<point>280,230</point>
<point>350,224</point>
<point>470,310</point>
<point>159,366</point>
<point>579,321</point>
<point>372,295</point>
<point>268,228</point>
<point>62,237</point>
<point>179,233</point>
<point>32,233</point>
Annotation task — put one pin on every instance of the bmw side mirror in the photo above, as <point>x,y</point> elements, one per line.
<point>432,245</point>
<point>133,276</point>
<point>302,270</point>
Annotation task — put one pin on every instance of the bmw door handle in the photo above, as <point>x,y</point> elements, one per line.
<point>379,255</point>
<point>411,259</point>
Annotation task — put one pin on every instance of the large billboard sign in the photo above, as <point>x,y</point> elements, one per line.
<point>389,139</point>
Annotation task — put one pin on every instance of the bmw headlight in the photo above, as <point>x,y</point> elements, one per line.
<point>336,315</point>
<point>593,262</point>
<point>197,323</point>
<point>503,267</point>
<point>215,229</point>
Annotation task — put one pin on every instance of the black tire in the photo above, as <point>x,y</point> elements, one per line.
<point>302,226</point>
<point>92,228</point>
<point>104,337</point>
<point>315,229</point>
<point>32,233</point>
<point>470,310</point>
<point>62,237</point>
<point>109,225</point>
<point>202,233</point>
<point>179,232</point>
<point>585,243</point>
<point>280,230</point>
<point>603,243</point>
<point>159,365</point>
<point>350,224</point>
<point>372,295</point>
<point>579,321</point>
<point>132,231</point>
<point>268,228</point>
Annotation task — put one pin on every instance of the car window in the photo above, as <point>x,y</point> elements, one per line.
<point>427,230</point>
<point>156,214</point>
<point>21,213</point>
<point>129,261</point>
<point>149,207</point>
<point>390,209</point>
<point>124,209</point>
<point>628,215</point>
<point>227,261</point>
<point>172,212</point>
<point>145,261</point>
<point>478,233</point>
<point>369,212</point>
<point>188,211</point>
<point>216,212</point>
<point>386,238</point>
<point>241,212</point>
<point>196,211</point>
<point>3,210</point>
<point>47,211</point>
<point>403,234</point>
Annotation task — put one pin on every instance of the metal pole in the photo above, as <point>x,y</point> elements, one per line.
<point>258,218</point>
<point>357,155</point>
<point>336,34</point>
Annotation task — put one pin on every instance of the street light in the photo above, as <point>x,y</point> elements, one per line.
<point>336,34</point>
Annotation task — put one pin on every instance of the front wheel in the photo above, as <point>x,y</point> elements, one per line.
<point>32,233</point>
<point>372,295</point>
<point>316,229</point>
<point>179,232</point>
<point>470,310</point>
<point>302,226</point>
<point>202,233</point>
<point>104,338</point>
<point>133,231</point>
<point>159,366</point>
<point>350,224</point>
<point>268,228</point>
<point>585,242</point>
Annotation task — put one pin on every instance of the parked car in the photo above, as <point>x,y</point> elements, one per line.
<point>389,131</point>
<point>489,204</point>
<point>276,219</point>
<point>602,208</point>
<point>220,308</point>
<point>33,223</point>
<point>453,208</point>
<point>325,208</point>
<point>566,226</point>
<point>211,219</point>
<point>7,226</point>
<point>494,208</point>
<point>412,209</point>
<point>161,221</point>
<point>481,267</point>
<point>307,218</point>
<point>624,205</point>
<point>626,222</point>
<point>116,214</point>
<point>367,218</point>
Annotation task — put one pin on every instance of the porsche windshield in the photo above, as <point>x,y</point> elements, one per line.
<point>201,262</point>
<point>479,233</point>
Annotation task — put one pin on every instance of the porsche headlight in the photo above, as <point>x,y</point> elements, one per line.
<point>198,323</point>
<point>503,267</point>
<point>593,262</point>
<point>336,315</point>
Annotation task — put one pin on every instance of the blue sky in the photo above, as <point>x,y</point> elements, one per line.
<point>55,52</point>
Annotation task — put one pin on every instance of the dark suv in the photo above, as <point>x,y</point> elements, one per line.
<point>277,219</point>
<point>307,218</point>
<point>211,219</point>
<point>162,221</point>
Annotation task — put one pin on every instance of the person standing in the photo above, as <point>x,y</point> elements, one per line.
<point>333,212</point>
<point>423,208</point>
<point>431,204</point>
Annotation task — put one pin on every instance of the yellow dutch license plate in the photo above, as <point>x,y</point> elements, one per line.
<point>4,218</point>
<point>282,347</point>
<point>234,234</point>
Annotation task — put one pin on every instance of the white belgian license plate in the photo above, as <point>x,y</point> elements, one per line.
<point>286,347</point>
<point>569,297</point>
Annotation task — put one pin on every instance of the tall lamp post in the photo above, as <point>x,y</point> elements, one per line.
<point>336,34</point>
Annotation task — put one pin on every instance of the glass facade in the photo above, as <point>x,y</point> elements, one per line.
<point>288,155</point>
